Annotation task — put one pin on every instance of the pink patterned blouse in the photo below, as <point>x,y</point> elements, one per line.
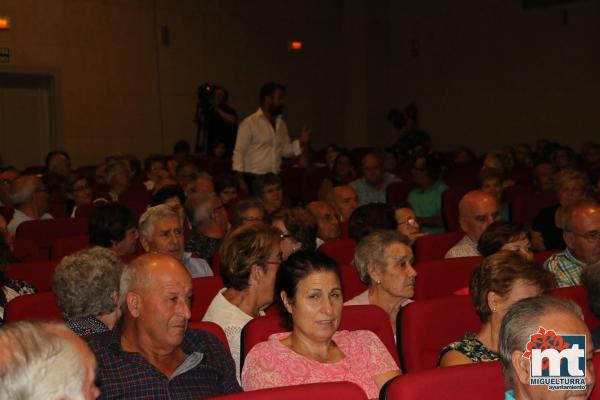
<point>272,364</point>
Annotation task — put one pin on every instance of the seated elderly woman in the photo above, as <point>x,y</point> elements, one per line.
<point>249,212</point>
<point>113,226</point>
<point>298,230</point>
<point>250,256</point>
<point>500,281</point>
<point>9,288</point>
<point>384,262</point>
<point>406,221</point>
<point>310,296</point>
<point>86,284</point>
<point>505,236</point>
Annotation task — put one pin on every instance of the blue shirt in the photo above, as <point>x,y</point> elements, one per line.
<point>367,192</point>
<point>428,203</point>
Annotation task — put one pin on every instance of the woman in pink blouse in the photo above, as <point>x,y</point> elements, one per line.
<point>310,296</point>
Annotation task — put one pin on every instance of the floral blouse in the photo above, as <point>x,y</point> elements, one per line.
<point>12,289</point>
<point>472,348</point>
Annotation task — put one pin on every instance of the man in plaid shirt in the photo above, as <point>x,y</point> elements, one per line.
<point>150,354</point>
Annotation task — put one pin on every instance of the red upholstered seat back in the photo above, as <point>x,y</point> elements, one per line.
<point>312,181</point>
<point>46,231</point>
<point>542,256</point>
<point>467,382</point>
<point>351,283</point>
<point>37,273</point>
<point>313,391</point>
<point>205,289</point>
<point>39,306</point>
<point>525,205</point>
<point>341,250</point>
<point>397,192</point>
<point>426,326</point>
<point>579,295</point>
<point>435,247</point>
<point>450,200</point>
<point>370,318</point>
<point>68,245</point>
<point>443,277</point>
<point>210,327</point>
<point>27,250</point>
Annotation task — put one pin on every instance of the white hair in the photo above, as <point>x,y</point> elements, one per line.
<point>36,363</point>
<point>153,214</point>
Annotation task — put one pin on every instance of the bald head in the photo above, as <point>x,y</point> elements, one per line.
<point>581,231</point>
<point>344,200</point>
<point>327,221</point>
<point>477,210</point>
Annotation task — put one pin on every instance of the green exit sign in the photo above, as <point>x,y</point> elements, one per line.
<point>4,55</point>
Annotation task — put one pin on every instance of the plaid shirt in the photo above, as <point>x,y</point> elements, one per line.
<point>566,268</point>
<point>124,375</point>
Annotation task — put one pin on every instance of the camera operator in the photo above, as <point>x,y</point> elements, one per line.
<point>220,119</point>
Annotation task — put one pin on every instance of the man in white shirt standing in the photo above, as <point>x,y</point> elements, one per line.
<point>263,139</point>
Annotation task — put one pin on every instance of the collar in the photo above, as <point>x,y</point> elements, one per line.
<point>571,257</point>
<point>260,113</point>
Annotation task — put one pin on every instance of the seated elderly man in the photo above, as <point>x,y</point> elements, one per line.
<point>209,223</point>
<point>161,231</point>
<point>267,188</point>
<point>581,232</point>
<point>524,319</point>
<point>30,199</point>
<point>118,178</point>
<point>45,361</point>
<point>199,182</point>
<point>344,200</point>
<point>328,226</point>
<point>150,354</point>
<point>372,186</point>
<point>86,284</point>
<point>476,211</point>
<point>7,175</point>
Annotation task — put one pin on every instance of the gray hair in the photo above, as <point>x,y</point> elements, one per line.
<point>133,277</point>
<point>23,188</point>
<point>371,250</point>
<point>114,168</point>
<point>571,174</point>
<point>521,321</point>
<point>567,214</point>
<point>37,363</point>
<point>200,206</point>
<point>153,214</point>
<point>85,282</point>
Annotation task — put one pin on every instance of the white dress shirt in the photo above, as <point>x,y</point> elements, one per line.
<point>259,147</point>
<point>464,248</point>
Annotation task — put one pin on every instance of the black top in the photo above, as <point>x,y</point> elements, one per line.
<point>544,223</point>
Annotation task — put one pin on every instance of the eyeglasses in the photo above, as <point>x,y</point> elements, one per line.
<point>288,236</point>
<point>590,236</point>
<point>408,221</point>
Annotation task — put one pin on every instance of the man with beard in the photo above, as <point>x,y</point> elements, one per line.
<point>263,138</point>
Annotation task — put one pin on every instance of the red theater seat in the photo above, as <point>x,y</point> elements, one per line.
<point>443,277</point>
<point>579,295</point>
<point>341,250</point>
<point>44,232</point>
<point>313,391</point>
<point>424,327</point>
<point>37,273</point>
<point>39,306</point>
<point>435,247</point>
<point>68,245</point>
<point>311,182</point>
<point>351,283</point>
<point>205,289</point>
<point>27,250</point>
<point>467,382</point>
<point>397,192</point>
<point>450,199</point>
<point>542,256</point>
<point>370,318</point>
<point>525,205</point>
<point>210,327</point>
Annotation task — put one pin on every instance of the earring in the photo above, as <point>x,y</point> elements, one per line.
<point>494,309</point>
<point>379,282</point>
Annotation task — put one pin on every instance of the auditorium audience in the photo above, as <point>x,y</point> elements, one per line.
<point>267,188</point>
<point>505,236</point>
<point>571,186</point>
<point>384,261</point>
<point>250,257</point>
<point>543,177</point>
<point>344,201</point>
<point>371,188</point>
<point>501,280</point>
<point>150,353</point>
<point>298,229</point>
<point>209,224</point>
<point>58,163</point>
<point>476,211</point>
<point>79,193</point>
<point>308,290</point>
<point>491,181</point>
<point>156,170</point>
<point>523,320</point>
<point>86,285</point>
<point>581,231</point>
<point>227,186</point>
<point>406,222</point>
<point>9,288</point>
<point>30,199</point>
<point>500,160</point>
<point>342,173</point>
<point>161,231</point>
<point>199,182</point>
<point>591,279</point>
<point>328,225</point>
<point>7,175</point>
<point>426,199</point>
<point>113,226</point>
<point>118,178</point>
<point>185,171</point>
<point>41,360</point>
<point>249,212</point>
<point>172,196</point>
